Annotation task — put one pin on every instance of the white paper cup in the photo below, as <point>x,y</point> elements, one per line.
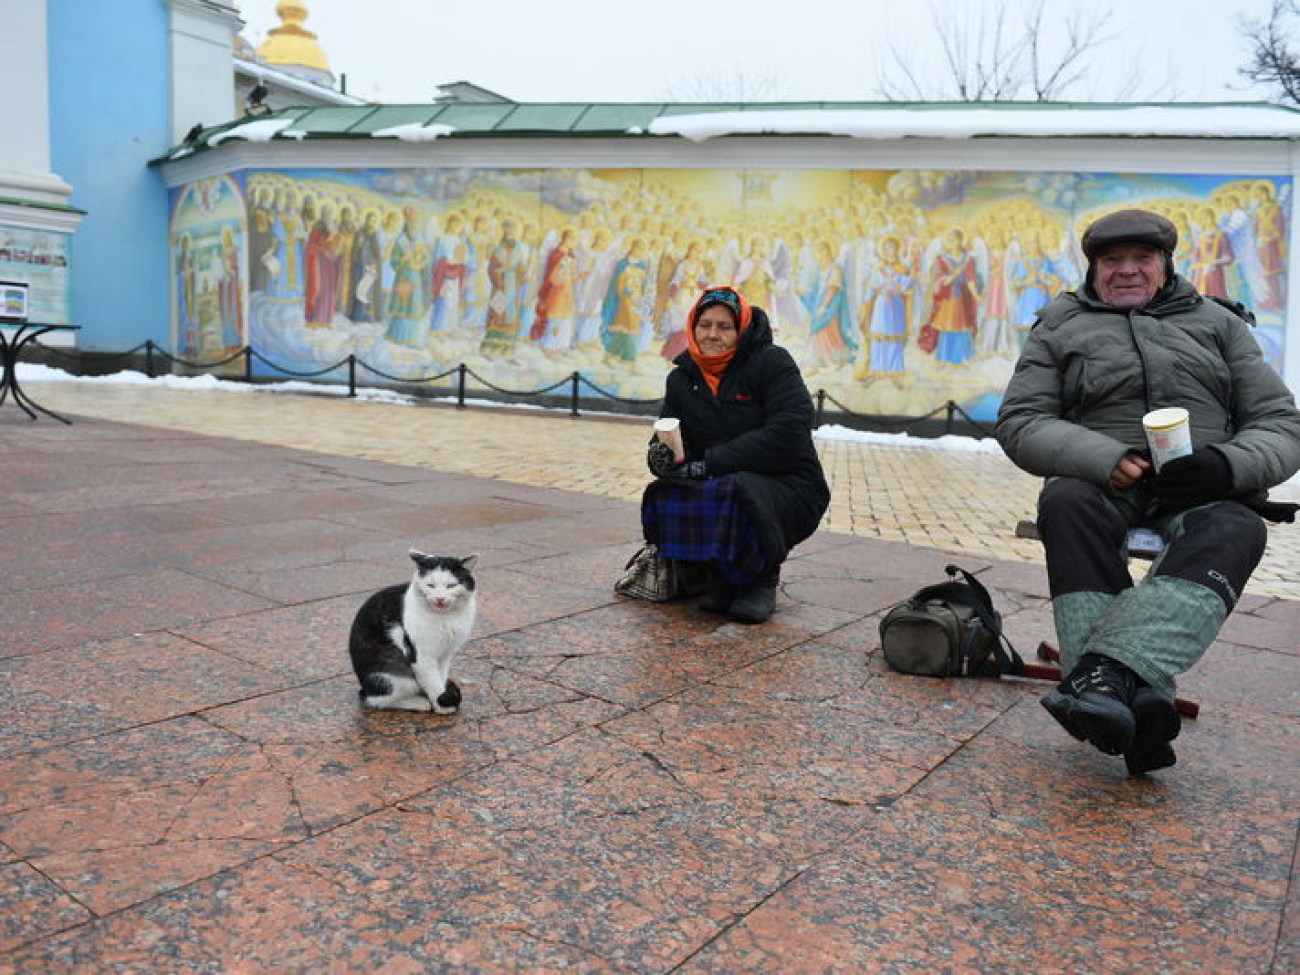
<point>1169,434</point>
<point>669,430</point>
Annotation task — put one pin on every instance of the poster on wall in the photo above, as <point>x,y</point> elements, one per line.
<point>37,260</point>
<point>896,290</point>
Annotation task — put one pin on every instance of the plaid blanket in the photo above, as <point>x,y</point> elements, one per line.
<point>704,521</point>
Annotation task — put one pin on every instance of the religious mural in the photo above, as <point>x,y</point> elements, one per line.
<point>895,290</point>
<point>209,256</point>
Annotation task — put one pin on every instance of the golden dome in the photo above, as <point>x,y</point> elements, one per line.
<point>291,44</point>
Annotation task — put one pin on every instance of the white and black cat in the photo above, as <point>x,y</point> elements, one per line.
<point>404,637</point>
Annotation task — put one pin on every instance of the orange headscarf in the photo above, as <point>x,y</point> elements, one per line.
<point>713,366</point>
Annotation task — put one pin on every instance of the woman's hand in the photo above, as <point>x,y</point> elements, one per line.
<point>659,458</point>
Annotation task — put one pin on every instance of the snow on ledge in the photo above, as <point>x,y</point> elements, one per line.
<point>1192,121</point>
<point>413,132</point>
<point>263,130</point>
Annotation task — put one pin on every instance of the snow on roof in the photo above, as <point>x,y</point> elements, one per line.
<point>414,132</point>
<point>1241,121</point>
<point>262,130</point>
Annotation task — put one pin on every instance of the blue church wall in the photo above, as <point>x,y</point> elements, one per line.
<point>107,63</point>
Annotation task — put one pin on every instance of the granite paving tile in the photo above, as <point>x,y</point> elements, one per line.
<point>509,599</point>
<point>113,607</point>
<point>32,907</point>
<point>135,680</point>
<point>182,750</point>
<point>640,891</point>
<point>307,641</point>
<point>1259,680</point>
<point>715,743</point>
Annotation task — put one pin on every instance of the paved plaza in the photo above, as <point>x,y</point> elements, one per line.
<point>188,785</point>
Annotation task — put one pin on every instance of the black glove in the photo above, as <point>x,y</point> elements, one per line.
<point>692,470</point>
<point>659,458</point>
<point>1198,478</point>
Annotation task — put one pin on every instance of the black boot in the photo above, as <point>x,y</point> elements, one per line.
<point>1094,703</point>
<point>1156,725</point>
<point>755,603</point>
<point>721,593</point>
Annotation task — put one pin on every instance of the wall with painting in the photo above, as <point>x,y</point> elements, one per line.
<point>896,289</point>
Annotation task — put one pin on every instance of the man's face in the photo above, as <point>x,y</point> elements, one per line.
<point>1129,275</point>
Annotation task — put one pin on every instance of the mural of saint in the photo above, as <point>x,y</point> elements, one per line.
<point>1211,255</point>
<point>1270,240</point>
<point>230,293</point>
<point>367,262</point>
<point>323,264</point>
<point>408,305</point>
<point>621,312</point>
<point>450,267</point>
<point>505,273</point>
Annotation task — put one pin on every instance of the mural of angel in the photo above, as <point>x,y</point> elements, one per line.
<point>688,280</point>
<point>886,313</point>
<point>953,281</point>
<point>1035,279</point>
<point>996,336</point>
<point>787,313</point>
<point>831,325</point>
<point>556,313</point>
<point>596,263</point>
<point>753,276</point>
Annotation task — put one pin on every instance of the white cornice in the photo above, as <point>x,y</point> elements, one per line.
<point>1246,157</point>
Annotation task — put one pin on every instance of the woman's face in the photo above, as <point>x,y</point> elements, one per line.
<point>715,330</point>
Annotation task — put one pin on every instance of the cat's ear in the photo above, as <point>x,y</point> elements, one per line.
<point>469,562</point>
<point>416,555</point>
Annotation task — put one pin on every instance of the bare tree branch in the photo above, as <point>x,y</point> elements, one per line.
<point>986,57</point>
<point>1273,61</point>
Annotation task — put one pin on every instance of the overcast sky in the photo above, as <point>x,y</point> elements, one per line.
<point>613,50</point>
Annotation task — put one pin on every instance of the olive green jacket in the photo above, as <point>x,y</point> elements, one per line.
<point>1090,371</point>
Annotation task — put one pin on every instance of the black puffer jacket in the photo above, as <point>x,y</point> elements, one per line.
<point>758,426</point>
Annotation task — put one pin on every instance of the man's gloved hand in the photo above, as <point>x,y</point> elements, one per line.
<point>1198,478</point>
<point>659,458</point>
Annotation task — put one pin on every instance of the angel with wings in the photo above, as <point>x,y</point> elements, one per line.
<point>954,280</point>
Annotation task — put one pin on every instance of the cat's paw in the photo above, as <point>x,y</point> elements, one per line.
<point>449,700</point>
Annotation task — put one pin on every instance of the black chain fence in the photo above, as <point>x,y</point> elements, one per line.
<point>949,418</point>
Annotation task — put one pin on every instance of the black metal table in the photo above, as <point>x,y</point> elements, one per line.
<point>11,349</point>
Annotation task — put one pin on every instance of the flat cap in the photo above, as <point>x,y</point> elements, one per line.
<point>1129,227</point>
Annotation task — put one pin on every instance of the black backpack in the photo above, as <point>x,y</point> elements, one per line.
<point>948,630</point>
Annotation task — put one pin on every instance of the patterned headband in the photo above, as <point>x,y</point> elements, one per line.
<point>720,296</point>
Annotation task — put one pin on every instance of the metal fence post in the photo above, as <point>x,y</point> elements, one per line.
<point>573,393</point>
<point>352,374</point>
<point>148,358</point>
<point>952,412</point>
<point>248,363</point>
<point>821,406</point>
<point>460,384</point>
